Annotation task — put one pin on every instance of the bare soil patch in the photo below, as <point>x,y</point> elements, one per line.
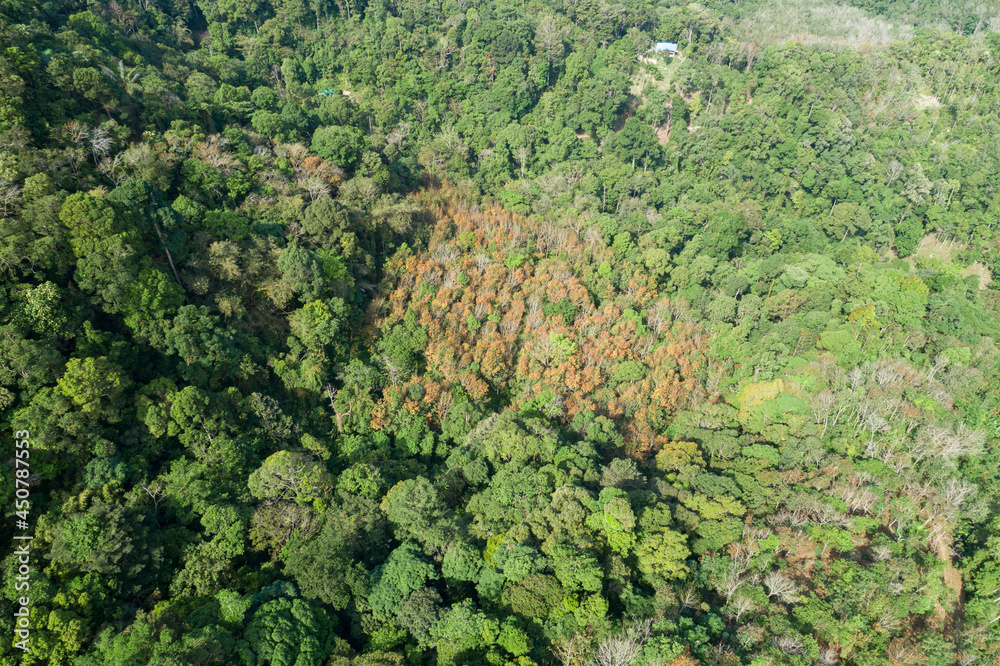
<point>663,135</point>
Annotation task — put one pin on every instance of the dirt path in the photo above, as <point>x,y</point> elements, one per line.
<point>952,576</point>
<point>952,580</point>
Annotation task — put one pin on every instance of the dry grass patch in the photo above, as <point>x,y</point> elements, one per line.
<point>980,270</point>
<point>945,252</point>
<point>932,248</point>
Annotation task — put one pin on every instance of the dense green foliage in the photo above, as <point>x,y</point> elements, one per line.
<point>371,333</point>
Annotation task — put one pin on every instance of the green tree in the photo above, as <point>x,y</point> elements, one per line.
<point>109,539</point>
<point>198,338</point>
<point>96,386</point>
<point>341,145</point>
<point>403,573</point>
<point>636,142</point>
<point>576,568</point>
<point>291,476</point>
<point>289,631</point>
<point>661,555</point>
<point>153,301</point>
<point>329,565</point>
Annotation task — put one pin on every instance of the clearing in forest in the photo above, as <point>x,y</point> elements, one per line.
<point>946,252</point>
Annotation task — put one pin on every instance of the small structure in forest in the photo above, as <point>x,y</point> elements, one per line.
<point>667,48</point>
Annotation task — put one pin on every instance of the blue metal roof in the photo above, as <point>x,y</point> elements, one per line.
<point>665,46</point>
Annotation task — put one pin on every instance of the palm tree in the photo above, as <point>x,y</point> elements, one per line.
<point>127,81</point>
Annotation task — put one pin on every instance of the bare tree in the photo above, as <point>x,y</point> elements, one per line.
<point>100,142</point>
<point>781,587</point>
<point>903,652</point>
<point>740,605</point>
<point>315,187</point>
<point>549,42</point>
<point>10,197</point>
<point>688,597</point>
<point>858,498</point>
<point>791,645</point>
<point>882,552</point>
<point>112,168</point>
<point>397,135</point>
<point>522,155</point>
<point>155,490</point>
<point>939,364</point>
<point>444,51</point>
<point>625,648</point>
<point>969,658</point>
<point>956,491</point>
<point>729,584</point>
<point>944,443</point>
<point>829,657</point>
<point>568,651</point>
<point>893,170</point>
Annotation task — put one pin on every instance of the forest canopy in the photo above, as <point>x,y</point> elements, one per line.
<point>370,333</point>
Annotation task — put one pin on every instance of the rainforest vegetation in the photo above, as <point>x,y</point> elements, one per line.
<point>383,332</point>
